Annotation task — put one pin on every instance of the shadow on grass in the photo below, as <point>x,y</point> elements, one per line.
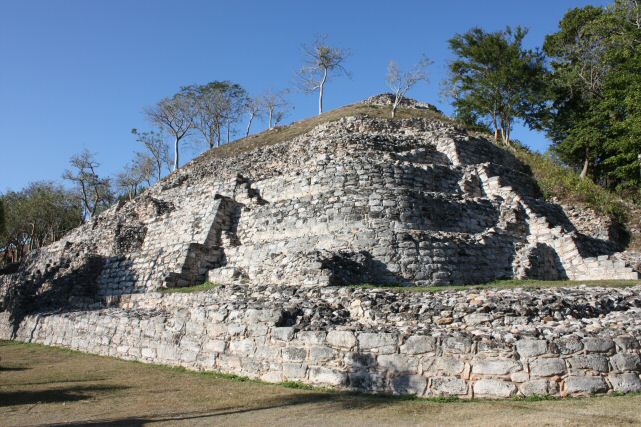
<point>12,368</point>
<point>58,395</point>
<point>344,400</point>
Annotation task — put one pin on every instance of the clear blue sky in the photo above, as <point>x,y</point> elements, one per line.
<point>76,74</point>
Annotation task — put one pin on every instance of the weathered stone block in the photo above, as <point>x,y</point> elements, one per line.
<point>409,384</point>
<point>447,365</point>
<point>585,385</point>
<point>328,376</point>
<point>626,383</point>
<point>531,348</point>
<point>379,341</point>
<point>594,362</point>
<point>293,354</point>
<point>449,386</point>
<point>495,366</point>
<point>294,371</point>
<point>418,344</point>
<point>540,387</point>
<point>341,339</point>
<point>397,362</point>
<point>598,345</point>
<point>547,367</point>
<point>625,362</point>
<point>493,388</point>
<point>319,354</point>
<point>283,333</point>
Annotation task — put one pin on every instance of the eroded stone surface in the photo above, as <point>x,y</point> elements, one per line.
<point>360,200</point>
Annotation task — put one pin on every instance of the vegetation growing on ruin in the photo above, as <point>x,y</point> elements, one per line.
<point>512,283</point>
<point>190,289</point>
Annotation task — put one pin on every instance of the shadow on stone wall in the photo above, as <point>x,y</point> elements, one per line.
<point>70,284</point>
<point>348,268</point>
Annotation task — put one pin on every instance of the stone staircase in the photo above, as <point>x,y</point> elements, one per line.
<point>563,242</point>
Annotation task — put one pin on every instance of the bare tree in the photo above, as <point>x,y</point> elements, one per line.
<point>217,104</point>
<point>158,150</point>
<point>255,109</point>
<point>320,61</point>
<point>95,192</point>
<point>174,115</point>
<point>131,179</point>
<point>401,82</point>
<point>275,104</point>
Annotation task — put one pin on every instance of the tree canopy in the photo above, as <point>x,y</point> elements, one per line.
<point>495,80</point>
<point>595,83</point>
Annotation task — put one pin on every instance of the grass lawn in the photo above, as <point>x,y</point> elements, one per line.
<point>49,386</point>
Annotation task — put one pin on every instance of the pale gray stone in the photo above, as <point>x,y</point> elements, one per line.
<point>493,388</point>
<point>595,362</point>
<point>449,386</point>
<point>531,348</point>
<point>495,366</point>
<point>598,345</point>
<point>626,362</point>
<point>342,339</point>
<point>328,376</point>
<point>547,367</point>
<point>585,385</point>
<point>626,383</point>
<point>418,344</point>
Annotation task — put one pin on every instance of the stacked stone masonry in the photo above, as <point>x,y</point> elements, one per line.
<point>358,200</point>
<point>492,343</point>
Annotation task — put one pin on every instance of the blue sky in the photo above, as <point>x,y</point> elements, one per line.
<point>76,74</point>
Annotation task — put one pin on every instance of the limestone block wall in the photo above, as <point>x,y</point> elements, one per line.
<point>463,352</point>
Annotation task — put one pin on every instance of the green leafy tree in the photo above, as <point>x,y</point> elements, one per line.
<point>595,84</point>
<point>495,80</point>
<point>36,216</point>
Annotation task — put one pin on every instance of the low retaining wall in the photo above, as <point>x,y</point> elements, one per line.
<point>479,354</point>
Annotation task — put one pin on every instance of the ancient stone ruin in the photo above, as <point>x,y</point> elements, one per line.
<point>286,227</point>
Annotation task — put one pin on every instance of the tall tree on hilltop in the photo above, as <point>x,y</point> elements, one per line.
<point>321,60</point>
<point>255,110</point>
<point>94,191</point>
<point>175,116</point>
<point>401,82</point>
<point>494,78</point>
<point>218,104</point>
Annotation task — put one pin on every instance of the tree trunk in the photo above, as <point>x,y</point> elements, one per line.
<point>271,115</point>
<point>321,88</point>
<point>176,154</point>
<point>584,171</point>
<point>228,131</point>
<point>249,125</point>
<point>496,128</point>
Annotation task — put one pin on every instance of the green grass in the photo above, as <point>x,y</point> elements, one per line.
<point>189,289</point>
<point>297,385</point>
<point>498,284</point>
<point>565,184</point>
